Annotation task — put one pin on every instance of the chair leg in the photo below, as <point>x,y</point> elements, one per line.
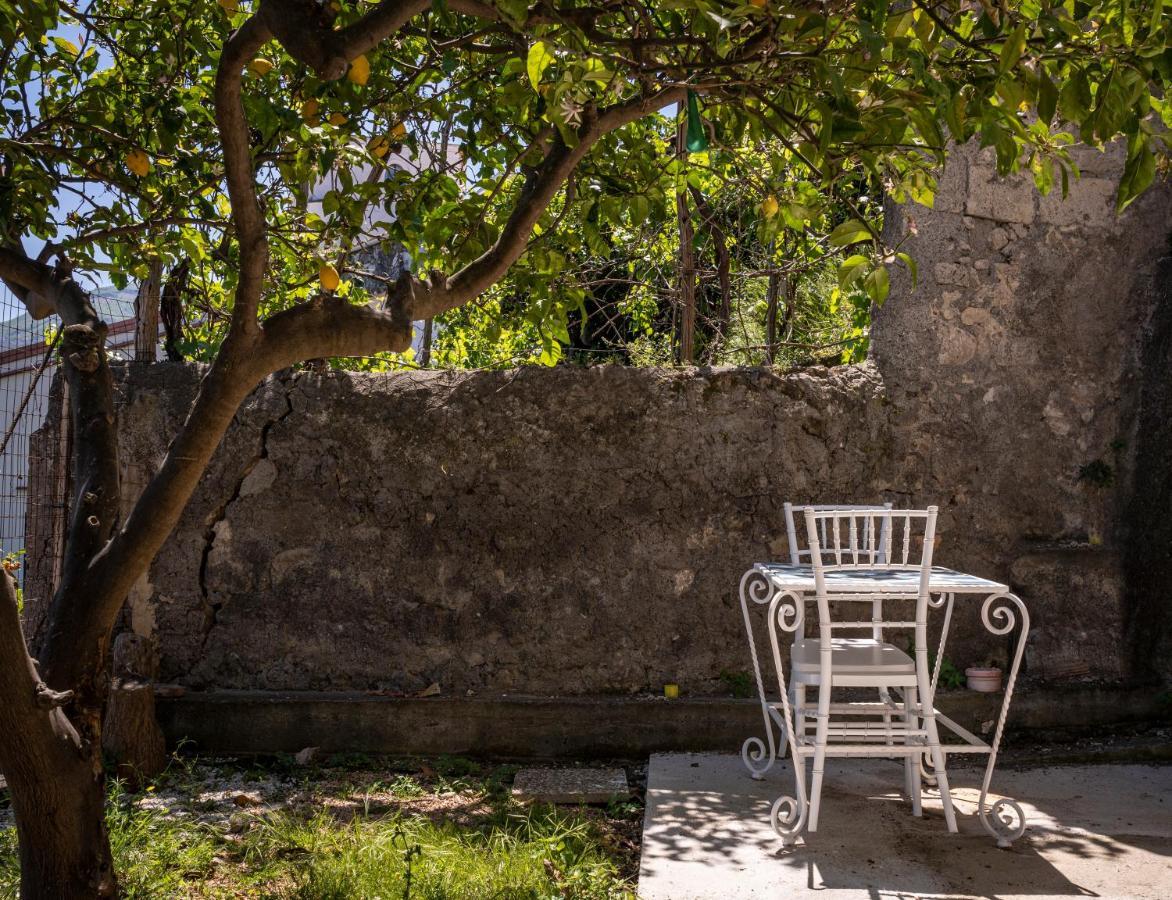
<point>821,736</point>
<point>941,774</point>
<point>911,769</point>
<point>799,704</point>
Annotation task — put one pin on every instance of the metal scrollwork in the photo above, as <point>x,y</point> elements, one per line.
<point>756,586</point>
<point>1004,820</point>
<point>789,611</point>
<point>757,755</point>
<point>927,769</point>
<point>787,817</point>
<point>1003,613</point>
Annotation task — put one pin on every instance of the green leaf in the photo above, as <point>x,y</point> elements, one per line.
<point>877,284</point>
<point>1137,173</point>
<point>1047,98</point>
<point>851,270</point>
<point>911,266</point>
<point>66,46</point>
<point>537,62</point>
<point>1012,49</point>
<point>849,232</point>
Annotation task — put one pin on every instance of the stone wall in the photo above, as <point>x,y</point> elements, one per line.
<point>581,531</point>
<point>1015,369</point>
<point>565,532</point>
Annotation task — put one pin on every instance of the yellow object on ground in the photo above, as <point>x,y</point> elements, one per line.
<point>671,691</point>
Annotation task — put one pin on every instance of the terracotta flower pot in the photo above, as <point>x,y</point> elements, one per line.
<point>984,680</point>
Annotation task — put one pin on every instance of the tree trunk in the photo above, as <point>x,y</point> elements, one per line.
<point>55,778</point>
<point>771,317</point>
<point>425,355</point>
<point>61,828</point>
<point>131,735</point>
<point>146,313</point>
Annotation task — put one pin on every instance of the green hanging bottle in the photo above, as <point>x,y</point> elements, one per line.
<point>697,137</point>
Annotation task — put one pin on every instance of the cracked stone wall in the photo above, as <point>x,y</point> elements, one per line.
<point>565,531</point>
<point>581,531</point>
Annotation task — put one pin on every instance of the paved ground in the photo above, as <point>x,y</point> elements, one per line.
<point>1094,831</point>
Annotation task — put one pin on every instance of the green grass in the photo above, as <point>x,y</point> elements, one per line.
<point>447,830</point>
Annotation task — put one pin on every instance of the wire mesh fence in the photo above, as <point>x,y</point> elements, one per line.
<point>32,518</point>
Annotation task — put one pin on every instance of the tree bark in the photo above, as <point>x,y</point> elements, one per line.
<point>55,778</point>
<point>771,317</point>
<point>425,355</point>
<point>131,735</point>
<point>687,266</point>
<point>723,262</point>
<point>146,314</point>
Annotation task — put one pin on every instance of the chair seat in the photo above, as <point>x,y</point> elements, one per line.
<point>851,658</point>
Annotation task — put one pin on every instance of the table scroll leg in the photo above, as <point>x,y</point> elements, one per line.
<point>756,754</point>
<point>1004,820</point>
<point>788,815</point>
<point>927,771</point>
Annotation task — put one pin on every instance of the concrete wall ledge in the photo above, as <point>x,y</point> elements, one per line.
<point>567,727</point>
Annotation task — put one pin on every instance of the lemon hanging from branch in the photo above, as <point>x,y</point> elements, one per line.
<point>138,163</point>
<point>260,66</point>
<point>359,72</point>
<point>329,277</point>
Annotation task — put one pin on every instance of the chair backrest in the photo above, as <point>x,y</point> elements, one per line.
<point>885,542</point>
<point>799,553</point>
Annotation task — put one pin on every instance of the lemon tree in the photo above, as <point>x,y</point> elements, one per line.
<point>234,144</point>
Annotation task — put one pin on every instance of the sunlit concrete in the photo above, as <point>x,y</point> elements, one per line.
<point>1094,831</point>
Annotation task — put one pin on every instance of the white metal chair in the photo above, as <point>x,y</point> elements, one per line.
<point>799,554</point>
<point>850,551</point>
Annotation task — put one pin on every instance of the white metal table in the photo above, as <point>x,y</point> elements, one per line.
<point>787,588</point>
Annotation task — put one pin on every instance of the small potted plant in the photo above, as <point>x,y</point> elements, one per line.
<point>985,678</point>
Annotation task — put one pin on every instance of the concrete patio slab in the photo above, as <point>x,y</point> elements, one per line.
<point>1094,831</point>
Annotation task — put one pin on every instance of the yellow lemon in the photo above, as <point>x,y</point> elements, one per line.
<point>138,162</point>
<point>760,4</point>
<point>359,71</point>
<point>399,131</point>
<point>769,207</point>
<point>328,276</point>
<point>337,119</point>
<point>229,6</point>
<point>378,146</point>
<point>309,111</point>
<point>260,66</point>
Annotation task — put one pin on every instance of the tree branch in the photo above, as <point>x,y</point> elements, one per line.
<point>305,30</point>
<point>541,186</point>
<point>29,725</point>
<point>247,214</point>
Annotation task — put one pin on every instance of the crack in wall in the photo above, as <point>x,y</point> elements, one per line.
<point>212,608</point>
